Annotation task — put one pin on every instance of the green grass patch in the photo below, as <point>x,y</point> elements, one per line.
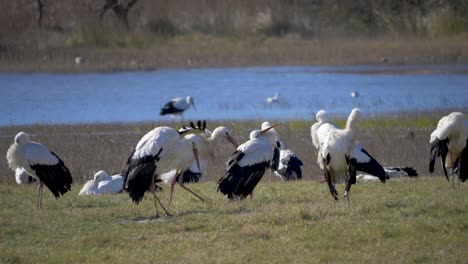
<point>408,220</point>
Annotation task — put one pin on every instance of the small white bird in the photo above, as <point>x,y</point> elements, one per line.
<point>354,94</point>
<point>246,166</point>
<point>102,183</point>
<point>273,99</point>
<point>177,106</point>
<point>22,177</point>
<point>449,141</point>
<point>41,163</point>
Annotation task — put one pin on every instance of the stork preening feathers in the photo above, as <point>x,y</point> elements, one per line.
<point>336,151</point>
<point>41,163</point>
<point>159,151</point>
<point>364,161</point>
<point>449,142</point>
<point>177,106</point>
<point>246,166</point>
<point>102,183</point>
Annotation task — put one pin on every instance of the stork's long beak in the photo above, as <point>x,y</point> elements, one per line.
<point>193,104</point>
<point>266,129</point>
<point>231,139</point>
<point>195,154</point>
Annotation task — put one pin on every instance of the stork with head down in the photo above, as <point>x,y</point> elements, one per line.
<point>337,160</point>
<point>449,141</point>
<point>246,166</point>
<point>177,106</point>
<point>364,160</point>
<point>41,163</point>
<point>159,151</point>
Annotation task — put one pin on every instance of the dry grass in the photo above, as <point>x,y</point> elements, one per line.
<point>198,50</point>
<point>89,148</point>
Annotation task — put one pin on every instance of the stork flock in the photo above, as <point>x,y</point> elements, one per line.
<point>177,156</point>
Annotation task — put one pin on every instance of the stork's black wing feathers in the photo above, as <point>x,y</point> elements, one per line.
<point>56,177</point>
<point>463,170</point>
<point>439,148</point>
<point>138,174</point>
<point>294,165</point>
<point>276,157</point>
<point>170,109</point>
<point>371,167</point>
<point>238,182</point>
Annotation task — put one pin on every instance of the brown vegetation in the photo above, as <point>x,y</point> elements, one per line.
<point>47,35</point>
<point>89,148</point>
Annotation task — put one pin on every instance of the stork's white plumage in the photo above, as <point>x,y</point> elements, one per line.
<point>338,164</point>
<point>159,151</point>
<point>364,161</point>
<point>102,183</point>
<point>205,141</point>
<point>41,163</point>
<point>22,177</point>
<point>392,172</point>
<point>177,106</point>
<point>449,141</point>
<point>289,166</point>
<point>246,166</point>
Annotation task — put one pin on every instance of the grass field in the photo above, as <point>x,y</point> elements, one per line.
<point>419,220</point>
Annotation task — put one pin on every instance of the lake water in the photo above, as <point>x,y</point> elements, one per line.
<point>229,93</point>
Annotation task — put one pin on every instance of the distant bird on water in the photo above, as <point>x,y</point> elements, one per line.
<point>354,94</point>
<point>272,100</point>
<point>41,163</point>
<point>449,142</point>
<point>177,106</point>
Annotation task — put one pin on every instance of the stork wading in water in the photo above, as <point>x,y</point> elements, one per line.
<point>337,161</point>
<point>177,106</point>
<point>41,163</point>
<point>159,151</point>
<point>449,142</point>
<point>246,166</point>
<point>272,100</point>
<point>206,141</point>
<point>364,160</point>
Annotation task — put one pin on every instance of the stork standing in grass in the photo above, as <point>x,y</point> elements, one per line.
<point>41,163</point>
<point>246,166</point>
<point>392,172</point>
<point>207,141</point>
<point>177,106</point>
<point>364,161</point>
<point>159,151</point>
<point>337,162</point>
<point>449,142</point>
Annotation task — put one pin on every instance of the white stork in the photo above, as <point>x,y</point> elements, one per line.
<point>159,151</point>
<point>289,166</point>
<point>246,166</point>
<point>102,183</point>
<point>41,163</point>
<point>392,172</point>
<point>22,176</point>
<point>205,139</point>
<point>364,161</point>
<point>274,164</point>
<point>449,141</point>
<point>336,151</point>
<point>285,163</point>
<point>177,106</point>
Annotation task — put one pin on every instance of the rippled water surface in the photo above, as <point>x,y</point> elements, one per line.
<point>229,93</point>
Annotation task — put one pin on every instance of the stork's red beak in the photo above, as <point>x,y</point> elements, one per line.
<point>195,154</point>
<point>266,129</point>
<point>231,139</point>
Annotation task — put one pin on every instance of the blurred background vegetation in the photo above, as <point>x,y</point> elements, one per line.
<point>28,26</point>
